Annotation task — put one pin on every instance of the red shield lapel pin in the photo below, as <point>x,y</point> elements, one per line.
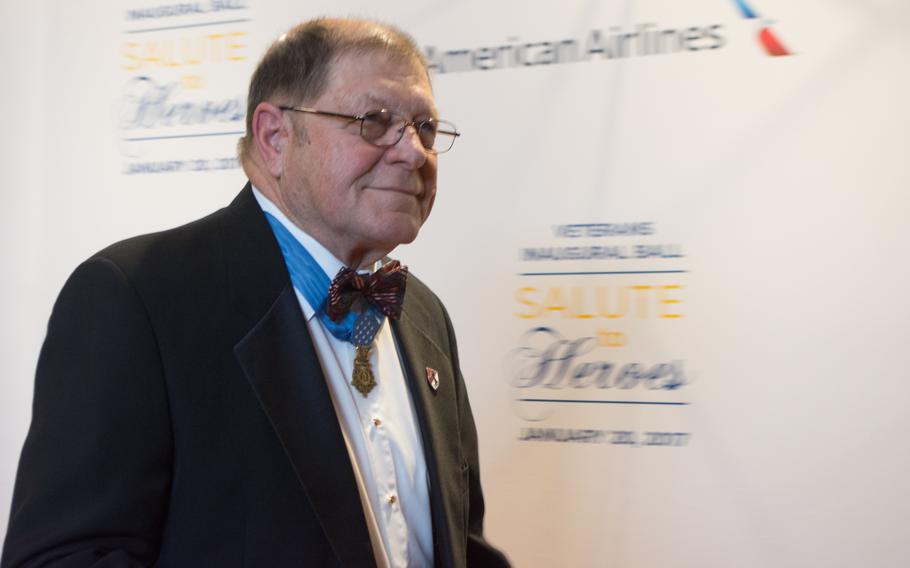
<point>433,378</point>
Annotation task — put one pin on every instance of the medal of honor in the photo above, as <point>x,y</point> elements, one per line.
<point>362,378</point>
<point>372,298</point>
<point>365,329</point>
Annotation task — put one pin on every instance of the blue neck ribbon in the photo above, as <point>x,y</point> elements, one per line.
<point>311,280</point>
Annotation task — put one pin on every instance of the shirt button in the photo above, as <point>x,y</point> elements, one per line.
<point>392,499</point>
<point>377,422</point>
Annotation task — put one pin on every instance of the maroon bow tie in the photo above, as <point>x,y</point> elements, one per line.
<point>384,289</point>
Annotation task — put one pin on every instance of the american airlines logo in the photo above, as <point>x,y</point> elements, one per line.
<point>767,38</point>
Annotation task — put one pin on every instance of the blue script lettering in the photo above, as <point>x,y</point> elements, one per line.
<point>146,104</point>
<point>546,359</point>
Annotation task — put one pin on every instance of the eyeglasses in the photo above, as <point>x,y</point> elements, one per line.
<point>385,128</point>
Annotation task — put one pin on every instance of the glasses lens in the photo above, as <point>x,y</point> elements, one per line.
<point>445,134</point>
<point>385,128</point>
<point>375,127</point>
<point>427,130</point>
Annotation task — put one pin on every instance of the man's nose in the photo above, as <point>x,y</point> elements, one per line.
<point>409,148</point>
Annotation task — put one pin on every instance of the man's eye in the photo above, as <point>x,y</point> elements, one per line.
<point>378,117</point>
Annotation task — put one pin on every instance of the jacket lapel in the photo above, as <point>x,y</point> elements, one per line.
<point>436,413</point>
<point>280,362</point>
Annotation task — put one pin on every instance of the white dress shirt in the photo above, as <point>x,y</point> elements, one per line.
<point>380,430</point>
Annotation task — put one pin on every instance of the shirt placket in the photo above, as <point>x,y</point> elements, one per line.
<point>376,433</point>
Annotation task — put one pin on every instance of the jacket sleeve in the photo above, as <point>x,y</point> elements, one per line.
<point>94,476</point>
<point>480,553</point>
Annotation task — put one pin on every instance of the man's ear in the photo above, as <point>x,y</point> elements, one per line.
<point>271,136</point>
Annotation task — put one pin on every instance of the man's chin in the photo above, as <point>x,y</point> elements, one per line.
<point>399,230</point>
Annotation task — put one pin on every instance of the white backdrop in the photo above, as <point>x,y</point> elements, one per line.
<point>687,347</point>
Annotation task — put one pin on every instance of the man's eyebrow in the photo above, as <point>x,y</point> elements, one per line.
<point>375,102</point>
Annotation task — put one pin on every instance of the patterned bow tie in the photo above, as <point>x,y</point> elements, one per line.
<point>384,289</point>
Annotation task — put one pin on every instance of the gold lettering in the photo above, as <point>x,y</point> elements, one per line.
<point>578,303</point>
<point>611,338</point>
<point>234,47</point>
<point>521,296</point>
<point>185,51</point>
<point>193,81</point>
<point>127,51</point>
<point>216,47</point>
<point>622,301</point>
<point>554,301</point>
<point>663,301</point>
<point>643,297</point>
<point>192,50</point>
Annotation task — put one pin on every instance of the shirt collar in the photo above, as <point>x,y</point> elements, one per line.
<point>326,260</point>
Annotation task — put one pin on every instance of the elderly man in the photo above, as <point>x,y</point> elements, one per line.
<point>208,396</point>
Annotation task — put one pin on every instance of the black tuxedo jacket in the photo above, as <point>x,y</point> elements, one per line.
<point>181,417</point>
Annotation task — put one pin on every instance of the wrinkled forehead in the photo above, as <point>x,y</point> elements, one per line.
<point>379,79</point>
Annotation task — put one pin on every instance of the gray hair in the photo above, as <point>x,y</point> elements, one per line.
<point>296,66</point>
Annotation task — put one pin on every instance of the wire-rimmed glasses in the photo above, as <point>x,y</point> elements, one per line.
<point>385,128</point>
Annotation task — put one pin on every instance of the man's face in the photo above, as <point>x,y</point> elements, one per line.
<point>359,200</point>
